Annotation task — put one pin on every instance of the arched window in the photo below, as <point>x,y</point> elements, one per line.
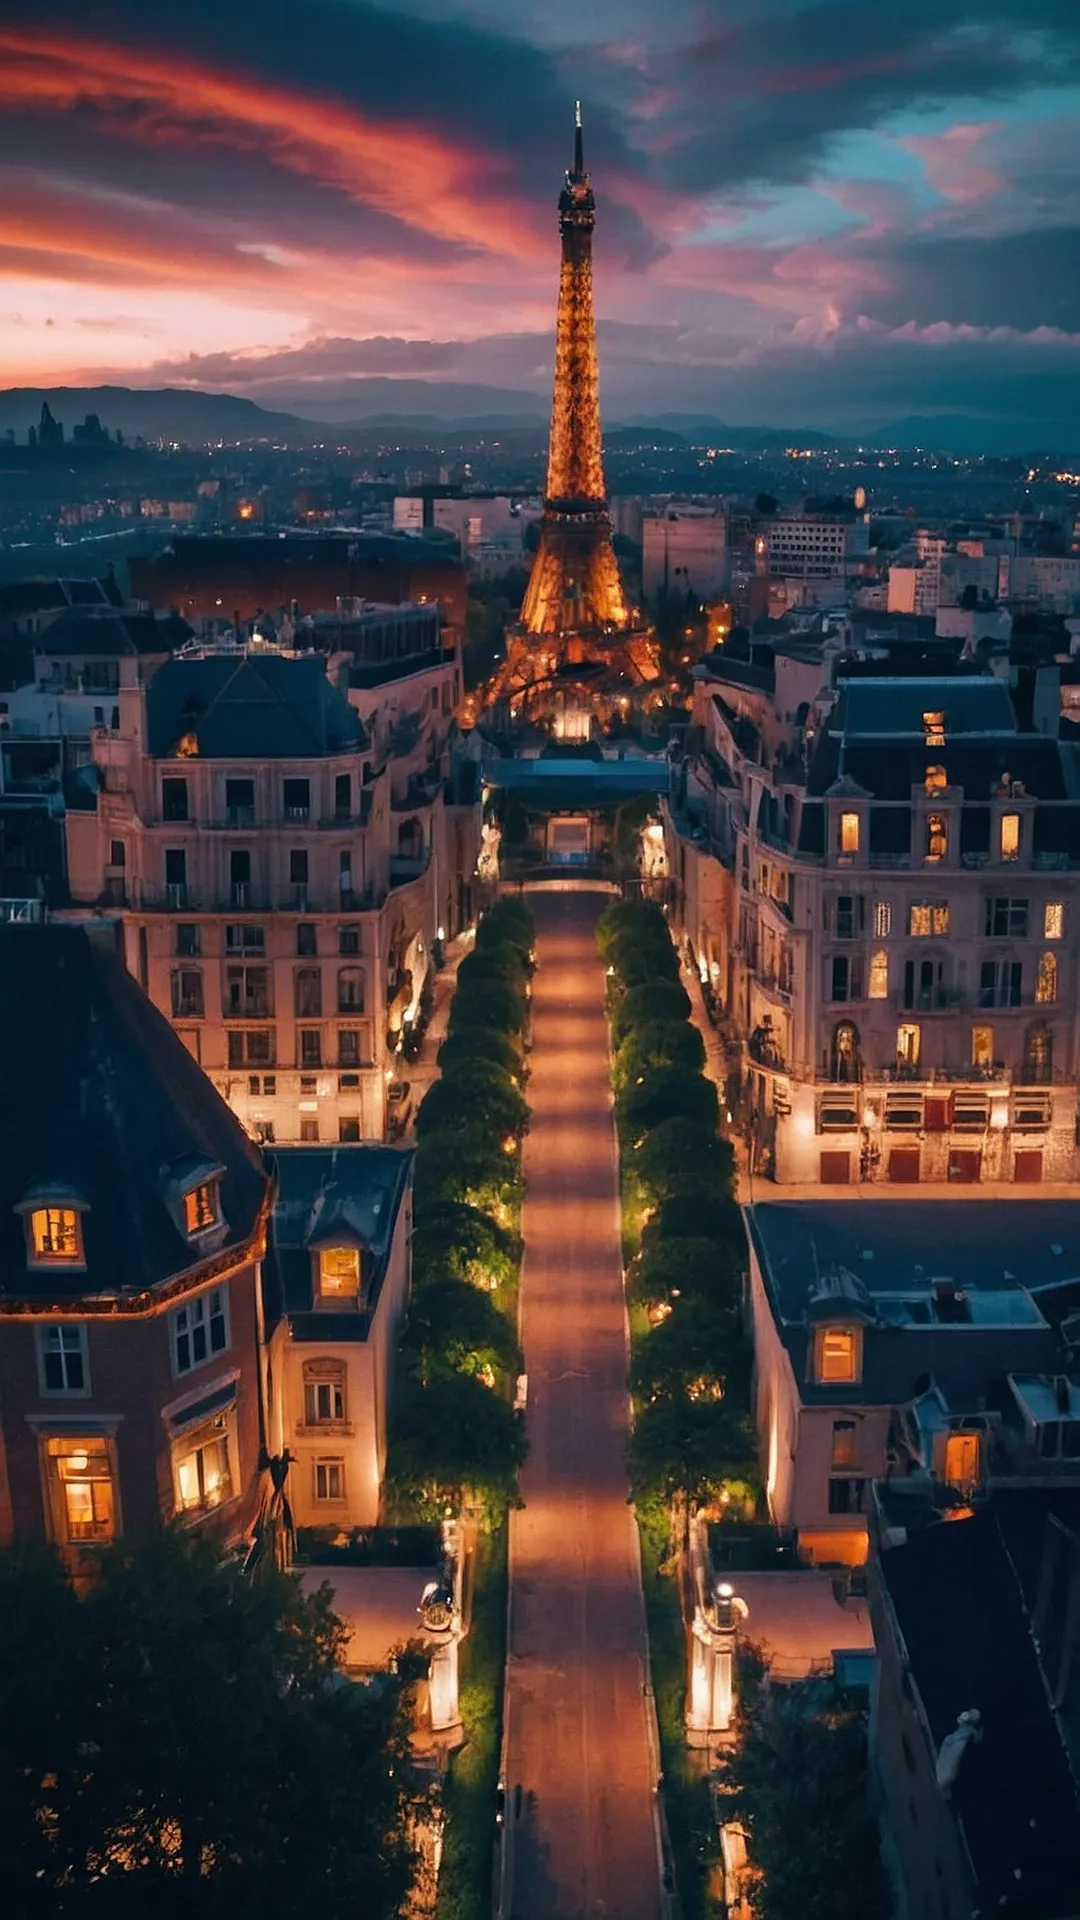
<point>879,975</point>
<point>845,1063</point>
<point>350,990</point>
<point>1038,1067</point>
<point>324,1392</point>
<point>1046,985</point>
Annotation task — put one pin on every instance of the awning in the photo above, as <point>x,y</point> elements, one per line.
<point>199,1410</point>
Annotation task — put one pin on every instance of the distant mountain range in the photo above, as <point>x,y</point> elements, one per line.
<point>364,407</point>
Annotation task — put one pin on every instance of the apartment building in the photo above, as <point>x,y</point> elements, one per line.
<point>684,551</point>
<point>282,853</point>
<point>899,939</point>
<point>806,547</point>
<point>132,1224</point>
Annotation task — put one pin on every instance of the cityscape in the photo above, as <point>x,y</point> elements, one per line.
<point>540,963</point>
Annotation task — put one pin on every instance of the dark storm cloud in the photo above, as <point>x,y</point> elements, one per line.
<point>1021,280</point>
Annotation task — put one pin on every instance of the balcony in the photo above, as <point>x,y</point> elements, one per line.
<point>297,814</point>
<point>24,913</point>
<point>239,816</point>
<point>407,866</point>
<point>929,1000</point>
<point>176,895</point>
<point>776,984</point>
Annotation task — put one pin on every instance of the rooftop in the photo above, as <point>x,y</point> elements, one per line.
<point>353,1193</point>
<point>267,707</point>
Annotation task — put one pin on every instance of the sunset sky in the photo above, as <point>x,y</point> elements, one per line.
<point>812,212</point>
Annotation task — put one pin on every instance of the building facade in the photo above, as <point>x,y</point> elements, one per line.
<point>132,1225</point>
<point>277,839</point>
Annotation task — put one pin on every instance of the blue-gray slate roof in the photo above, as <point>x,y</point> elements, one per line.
<point>349,1194</point>
<point>265,707</point>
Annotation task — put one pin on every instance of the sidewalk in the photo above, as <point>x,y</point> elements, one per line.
<point>420,1073</point>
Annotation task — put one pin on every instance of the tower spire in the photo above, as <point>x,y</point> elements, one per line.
<point>579,155</point>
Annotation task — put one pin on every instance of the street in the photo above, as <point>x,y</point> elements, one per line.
<point>578,1744</point>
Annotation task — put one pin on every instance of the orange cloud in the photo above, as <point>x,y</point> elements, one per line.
<point>452,192</point>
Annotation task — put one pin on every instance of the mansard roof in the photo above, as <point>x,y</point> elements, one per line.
<point>267,707</point>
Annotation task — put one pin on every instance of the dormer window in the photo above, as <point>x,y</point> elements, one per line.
<point>934,727</point>
<point>339,1272</point>
<point>1010,836</point>
<point>936,780</point>
<point>53,1220</point>
<point>837,1356</point>
<point>849,833</point>
<point>202,1208</point>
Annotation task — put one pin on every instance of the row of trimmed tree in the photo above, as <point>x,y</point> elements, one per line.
<point>693,1440</point>
<point>455,1437</point>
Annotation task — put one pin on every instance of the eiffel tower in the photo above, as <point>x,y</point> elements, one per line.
<point>576,639</point>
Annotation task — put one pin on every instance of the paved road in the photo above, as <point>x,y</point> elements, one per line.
<point>577,1732</point>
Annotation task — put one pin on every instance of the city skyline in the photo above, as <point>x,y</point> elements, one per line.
<point>812,216</point>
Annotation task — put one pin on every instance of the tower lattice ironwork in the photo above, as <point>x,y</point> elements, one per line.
<point>574,586</point>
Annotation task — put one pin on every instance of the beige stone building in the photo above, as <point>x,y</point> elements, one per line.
<point>880,880</point>
<point>278,837</point>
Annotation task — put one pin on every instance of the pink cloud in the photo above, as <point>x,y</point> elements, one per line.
<point>953,164</point>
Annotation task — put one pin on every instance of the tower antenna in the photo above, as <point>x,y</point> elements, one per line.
<point>579,157</point>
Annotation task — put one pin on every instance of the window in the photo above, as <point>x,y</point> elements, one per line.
<point>62,1364</point>
<point>348,939</point>
<point>1053,920</point>
<point>350,991</point>
<point>882,919</point>
<point>203,1467</point>
<point>982,1046</point>
<point>1006,919</point>
<point>342,796</point>
<point>81,1487</point>
<point>309,1132</point>
<point>56,1236</point>
<point>174,800</point>
<point>240,802</point>
<point>307,940</point>
<point>937,836</point>
<point>1046,982</point>
<point>847,1496</point>
<point>202,1208</point>
<point>245,938</point>
<point>187,939</point>
<point>200,1329</point>
<point>849,833</point>
<point>843,1443</point>
<point>1009,842</point>
<point>963,1463</point>
<point>846,977</point>
<point>934,728</point>
<point>324,1392</point>
<point>1038,1063</point>
<point>298,867</point>
<point>339,1272</point>
<point>908,1044</point>
<point>350,1051</point>
<point>240,875</point>
<point>296,799</point>
<point>345,870</point>
<point>117,854</point>
<point>175,867</point>
<point>928,918</point>
<point>879,975</point>
<point>251,1047</point>
<point>936,780</point>
<point>307,993</point>
<point>850,915</point>
<point>1000,983</point>
<point>330,1480</point>
<point>837,1355</point>
<point>247,993</point>
<point>349,1129</point>
<point>310,1047</point>
<point>187,993</point>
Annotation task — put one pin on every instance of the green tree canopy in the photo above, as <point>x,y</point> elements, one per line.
<point>638,919</point>
<point>453,1241</point>
<point>688,1450</point>
<point>668,1093</point>
<point>466,1165</point>
<point>495,960</point>
<point>490,1003</point>
<point>481,1096</point>
<point>686,1357</point>
<point>509,919</point>
<point>640,962</point>
<point>642,1006</point>
<point>676,1158</point>
<point>472,1044</point>
<point>179,1742</point>
<point>699,1213</point>
<point>663,1043</point>
<point>456,1328</point>
<point>451,1441</point>
<point>686,1268</point>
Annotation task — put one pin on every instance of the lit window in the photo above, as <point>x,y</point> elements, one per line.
<point>936,780</point>
<point>879,975</point>
<point>1053,920</point>
<point>339,1271</point>
<point>1046,984</point>
<point>982,1046</point>
<point>81,1483</point>
<point>934,727</point>
<point>200,1329</point>
<point>843,1443</point>
<point>1010,836</point>
<point>837,1355</point>
<point>329,1479</point>
<point>201,1208</point>
<point>56,1235</point>
<point>927,918</point>
<point>908,1044</point>
<point>849,833</point>
<point>203,1469</point>
<point>962,1461</point>
<point>324,1398</point>
<point>882,919</point>
<point>937,836</point>
<point>62,1354</point>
